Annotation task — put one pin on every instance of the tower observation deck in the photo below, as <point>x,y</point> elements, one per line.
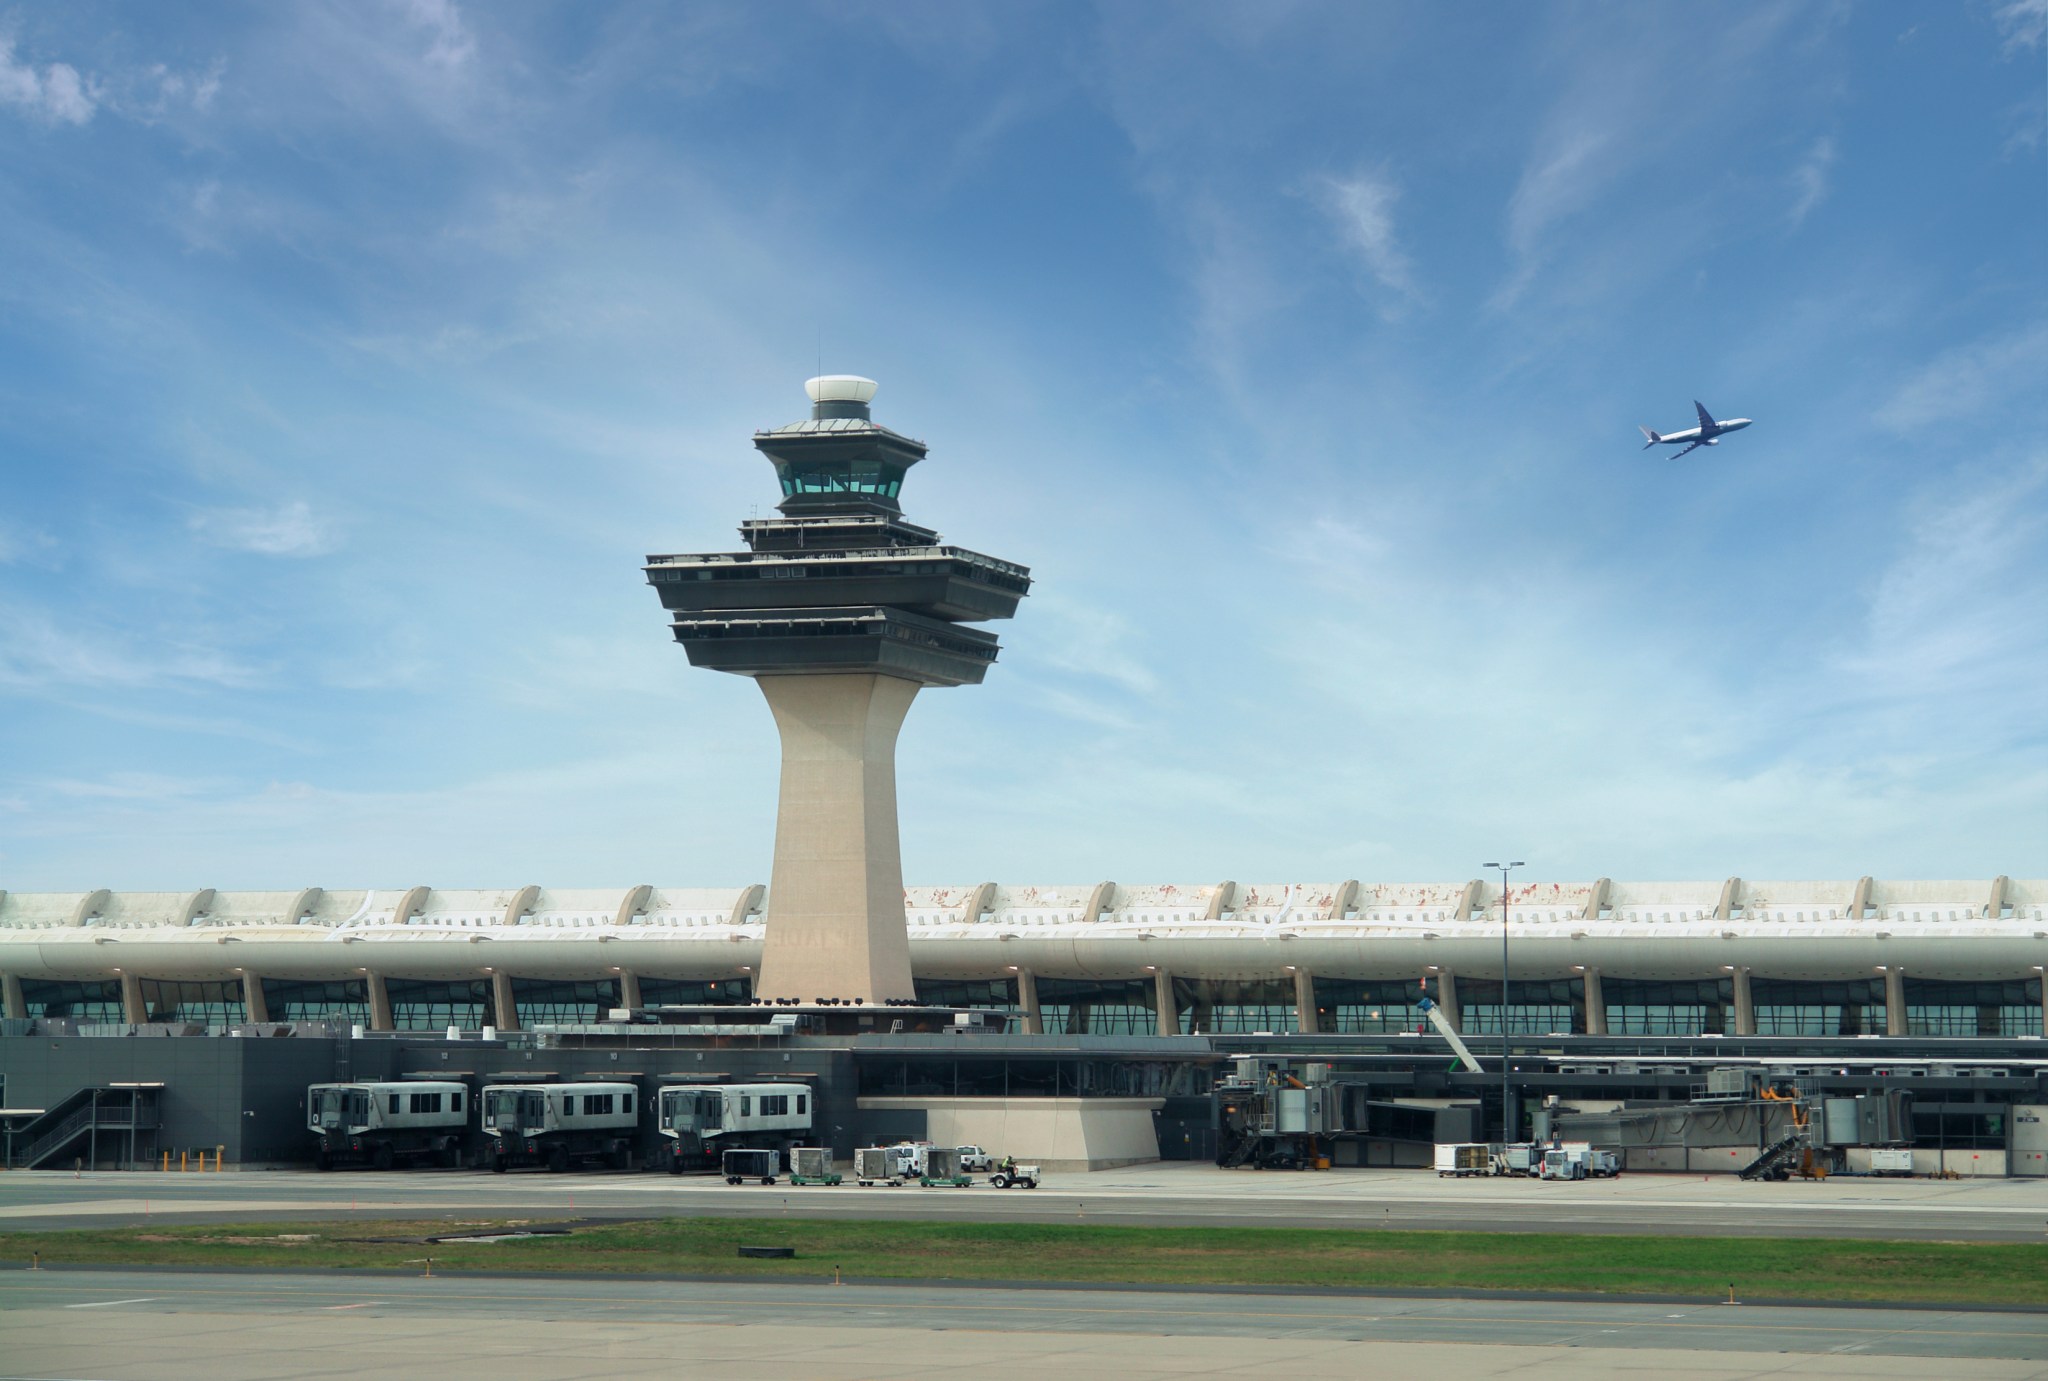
<point>841,610</point>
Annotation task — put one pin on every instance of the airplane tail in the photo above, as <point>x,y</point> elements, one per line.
<point>1650,438</point>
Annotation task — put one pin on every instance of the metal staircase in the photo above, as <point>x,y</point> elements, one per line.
<point>75,1125</point>
<point>1776,1157</point>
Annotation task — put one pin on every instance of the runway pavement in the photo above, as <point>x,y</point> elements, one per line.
<point>1161,1194</point>
<point>167,1325</point>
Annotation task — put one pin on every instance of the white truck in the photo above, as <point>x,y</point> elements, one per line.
<point>974,1160</point>
<point>1578,1161</point>
<point>1464,1158</point>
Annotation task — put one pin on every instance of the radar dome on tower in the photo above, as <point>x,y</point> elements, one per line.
<point>840,388</point>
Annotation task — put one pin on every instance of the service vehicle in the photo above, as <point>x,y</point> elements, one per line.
<point>878,1165</point>
<point>974,1160</point>
<point>1010,1175</point>
<point>1579,1162</point>
<point>382,1124</point>
<point>1521,1158</point>
<point>1463,1158</point>
<point>942,1170</point>
<point>813,1165</point>
<point>739,1166</point>
<point>699,1122</point>
<point>559,1125</point>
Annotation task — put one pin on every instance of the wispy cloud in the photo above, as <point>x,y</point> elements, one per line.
<point>1363,205</point>
<point>450,43</point>
<point>287,530</point>
<point>1810,179</point>
<point>1970,379</point>
<point>40,654</point>
<point>2023,22</point>
<point>53,93</point>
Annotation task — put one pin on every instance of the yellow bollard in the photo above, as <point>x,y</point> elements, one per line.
<point>167,1161</point>
<point>219,1153</point>
<point>181,1160</point>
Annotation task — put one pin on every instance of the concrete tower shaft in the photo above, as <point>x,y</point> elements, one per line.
<point>842,609</point>
<point>835,899</point>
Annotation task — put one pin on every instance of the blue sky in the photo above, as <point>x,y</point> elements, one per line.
<point>352,356</point>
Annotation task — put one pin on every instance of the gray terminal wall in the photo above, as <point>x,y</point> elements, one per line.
<point>248,1095</point>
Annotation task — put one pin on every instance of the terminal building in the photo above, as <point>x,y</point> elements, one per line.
<point>1102,1022</point>
<point>1854,958</point>
<point>205,1015</point>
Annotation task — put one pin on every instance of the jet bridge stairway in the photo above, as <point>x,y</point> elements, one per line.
<point>73,1127</point>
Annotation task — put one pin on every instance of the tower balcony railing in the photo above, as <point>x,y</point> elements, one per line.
<point>906,560</point>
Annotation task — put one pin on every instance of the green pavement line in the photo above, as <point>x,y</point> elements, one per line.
<point>1603,1265</point>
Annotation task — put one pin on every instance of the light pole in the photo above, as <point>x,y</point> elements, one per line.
<point>1508,1121</point>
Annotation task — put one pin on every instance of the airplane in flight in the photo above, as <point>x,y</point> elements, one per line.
<point>1707,433</point>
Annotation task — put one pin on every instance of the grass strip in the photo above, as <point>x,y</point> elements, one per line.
<point>1921,1272</point>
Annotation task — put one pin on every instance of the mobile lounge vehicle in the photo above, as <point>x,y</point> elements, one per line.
<point>382,1124</point>
<point>699,1122</point>
<point>558,1125</point>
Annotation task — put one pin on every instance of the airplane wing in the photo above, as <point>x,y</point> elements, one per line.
<point>1706,418</point>
<point>1688,450</point>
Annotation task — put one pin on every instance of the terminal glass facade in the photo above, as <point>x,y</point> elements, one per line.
<point>1939,1007</point>
<point>1371,1006</point>
<point>1673,1007</point>
<point>1234,1006</point>
<point>341,999</point>
<point>95,1000</point>
<point>215,1004</point>
<point>559,1002</point>
<point>430,1004</point>
<point>1796,1007</point>
<point>687,992</point>
<point>985,994</point>
<point>1098,1006</point>
<point>1536,1007</point>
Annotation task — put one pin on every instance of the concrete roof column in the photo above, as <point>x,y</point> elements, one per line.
<point>13,1005</point>
<point>254,1004</point>
<point>1745,1009</point>
<point>1344,901</point>
<point>1101,899</point>
<point>380,1002</point>
<point>1731,897</point>
<point>632,904</point>
<point>302,904</point>
<point>132,1010</point>
<point>1596,1005</point>
<point>1447,998</point>
<point>629,988</point>
<point>195,905</point>
<point>521,903</point>
<point>1223,899</point>
<point>410,905</point>
<point>1894,1001</point>
<point>1027,1002</point>
<point>1859,901</point>
<point>1603,888</point>
<point>1162,996</point>
<point>503,1001</point>
<point>90,905</point>
<point>2001,888</point>
<point>1468,900</point>
<point>1305,1001</point>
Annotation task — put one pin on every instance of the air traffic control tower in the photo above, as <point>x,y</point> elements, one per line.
<point>841,610</point>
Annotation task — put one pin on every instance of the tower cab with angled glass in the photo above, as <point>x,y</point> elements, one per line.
<point>841,609</point>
